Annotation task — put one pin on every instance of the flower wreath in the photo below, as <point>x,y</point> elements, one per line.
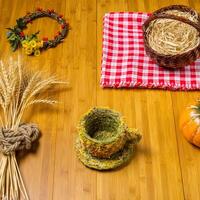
<point>31,44</point>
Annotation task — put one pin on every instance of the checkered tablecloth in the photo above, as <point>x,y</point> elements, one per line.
<point>125,63</point>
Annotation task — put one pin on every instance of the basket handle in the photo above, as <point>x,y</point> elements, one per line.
<point>182,8</point>
<point>168,16</point>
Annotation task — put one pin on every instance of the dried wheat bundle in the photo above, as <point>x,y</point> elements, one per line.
<point>19,89</point>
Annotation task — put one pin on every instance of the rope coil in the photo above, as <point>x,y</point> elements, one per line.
<point>19,139</point>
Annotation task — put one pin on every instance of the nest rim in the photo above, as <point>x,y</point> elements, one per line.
<point>119,132</point>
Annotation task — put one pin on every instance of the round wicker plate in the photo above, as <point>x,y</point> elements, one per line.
<point>116,160</point>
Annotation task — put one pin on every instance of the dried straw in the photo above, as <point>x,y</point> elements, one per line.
<point>18,90</point>
<point>172,37</point>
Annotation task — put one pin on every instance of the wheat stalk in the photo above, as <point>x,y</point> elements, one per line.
<point>19,89</point>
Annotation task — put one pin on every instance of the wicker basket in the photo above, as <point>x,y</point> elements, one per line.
<point>179,59</point>
<point>104,141</point>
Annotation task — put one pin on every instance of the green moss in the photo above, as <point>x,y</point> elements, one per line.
<point>101,120</point>
<point>103,135</point>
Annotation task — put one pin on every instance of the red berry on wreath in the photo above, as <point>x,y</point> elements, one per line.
<point>50,11</point>
<point>21,34</point>
<point>63,26</point>
<point>58,33</point>
<point>45,39</point>
<point>39,9</point>
<point>61,16</point>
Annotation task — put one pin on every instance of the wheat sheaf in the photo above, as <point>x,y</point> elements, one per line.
<point>19,89</point>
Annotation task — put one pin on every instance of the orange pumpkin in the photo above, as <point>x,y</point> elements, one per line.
<point>190,123</point>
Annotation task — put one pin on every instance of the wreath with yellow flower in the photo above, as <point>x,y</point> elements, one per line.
<point>31,44</point>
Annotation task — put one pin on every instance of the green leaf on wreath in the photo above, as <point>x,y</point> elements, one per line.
<point>32,36</point>
<point>20,23</point>
<point>12,37</point>
<point>14,45</point>
<point>10,29</point>
<point>8,34</point>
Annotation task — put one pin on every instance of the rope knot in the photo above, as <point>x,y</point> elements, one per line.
<point>19,139</point>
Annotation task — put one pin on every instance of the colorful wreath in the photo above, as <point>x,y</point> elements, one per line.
<point>31,44</point>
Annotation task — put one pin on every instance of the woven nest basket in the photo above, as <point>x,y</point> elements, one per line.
<point>172,36</point>
<point>104,141</point>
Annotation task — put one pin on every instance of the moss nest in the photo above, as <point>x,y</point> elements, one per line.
<point>104,141</point>
<point>102,125</point>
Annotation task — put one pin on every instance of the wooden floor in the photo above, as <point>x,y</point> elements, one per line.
<point>165,167</point>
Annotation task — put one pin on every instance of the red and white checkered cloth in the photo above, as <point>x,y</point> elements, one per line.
<point>125,63</point>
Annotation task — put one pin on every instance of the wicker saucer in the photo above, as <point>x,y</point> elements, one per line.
<point>104,142</point>
<point>116,160</point>
<point>187,17</point>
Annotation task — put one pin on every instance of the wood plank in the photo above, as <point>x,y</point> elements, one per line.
<point>189,155</point>
<point>72,180</point>
<point>36,167</point>
<point>156,164</point>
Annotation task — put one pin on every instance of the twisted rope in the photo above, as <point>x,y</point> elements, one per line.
<point>19,139</point>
